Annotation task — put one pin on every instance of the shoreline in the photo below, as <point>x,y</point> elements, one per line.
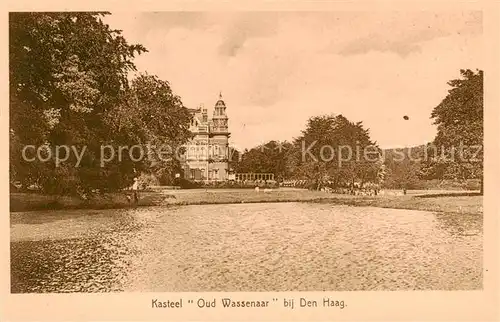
<point>459,202</point>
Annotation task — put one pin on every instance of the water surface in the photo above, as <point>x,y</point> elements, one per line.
<point>245,247</point>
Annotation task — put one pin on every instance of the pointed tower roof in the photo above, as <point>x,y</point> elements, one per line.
<point>220,102</point>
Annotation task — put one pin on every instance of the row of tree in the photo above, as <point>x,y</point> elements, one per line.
<point>69,86</point>
<point>330,149</point>
<point>456,152</point>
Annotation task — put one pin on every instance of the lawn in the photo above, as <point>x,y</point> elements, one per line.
<point>439,201</point>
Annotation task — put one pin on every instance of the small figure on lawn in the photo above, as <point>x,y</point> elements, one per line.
<point>135,187</point>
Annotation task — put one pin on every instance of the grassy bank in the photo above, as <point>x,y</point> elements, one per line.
<point>34,201</point>
<point>451,202</point>
<point>454,202</point>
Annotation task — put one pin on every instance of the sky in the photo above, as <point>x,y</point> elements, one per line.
<point>277,69</point>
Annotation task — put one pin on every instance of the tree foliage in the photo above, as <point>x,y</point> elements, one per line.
<point>270,157</point>
<point>457,150</point>
<point>153,117</point>
<point>69,87</point>
<point>334,149</point>
<point>403,167</point>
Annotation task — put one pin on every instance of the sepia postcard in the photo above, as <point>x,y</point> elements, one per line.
<point>251,161</point>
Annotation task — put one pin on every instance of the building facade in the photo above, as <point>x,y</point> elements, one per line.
<point>207,154</point>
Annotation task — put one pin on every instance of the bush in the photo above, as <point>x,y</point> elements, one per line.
<point>148,180</point>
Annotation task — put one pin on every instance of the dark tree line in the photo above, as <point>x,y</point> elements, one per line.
<point>456,152</point>
<point>69,87</point>
<point>330,151</point>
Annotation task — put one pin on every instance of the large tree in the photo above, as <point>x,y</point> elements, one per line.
<point>69,87</point>
<point>154,118</point>
<point>458,146</point>
<point>334,149</point>
<point>67,70</point>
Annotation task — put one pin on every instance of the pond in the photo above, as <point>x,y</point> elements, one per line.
<point>244,247</point>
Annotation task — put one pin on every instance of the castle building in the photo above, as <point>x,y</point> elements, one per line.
<point>207,154</point>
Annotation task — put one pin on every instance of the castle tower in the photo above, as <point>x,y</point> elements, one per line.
<point>219,139</point>
<point>219,118</point>
<point>207,153</point>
